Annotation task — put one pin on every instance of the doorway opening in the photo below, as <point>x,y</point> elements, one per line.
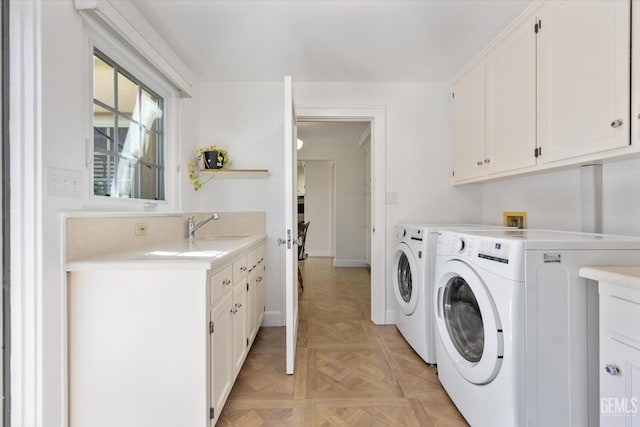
<point>375,167</point>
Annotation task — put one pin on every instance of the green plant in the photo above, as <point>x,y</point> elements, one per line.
<point>194,164</point>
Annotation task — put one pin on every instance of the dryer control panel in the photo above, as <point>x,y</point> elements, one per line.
<point>494,251</point>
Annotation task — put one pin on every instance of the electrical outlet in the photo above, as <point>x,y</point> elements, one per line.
<point>63,183</point>
<point>141,229</point>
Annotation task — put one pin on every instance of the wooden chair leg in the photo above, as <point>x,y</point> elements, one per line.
<point>300,279</point>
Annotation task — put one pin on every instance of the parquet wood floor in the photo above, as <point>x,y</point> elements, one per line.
<point>349,372</point>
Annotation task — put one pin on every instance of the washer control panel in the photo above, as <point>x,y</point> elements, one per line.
<point>494,251</point>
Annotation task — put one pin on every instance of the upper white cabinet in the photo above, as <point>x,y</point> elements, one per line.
<point>511,102</point>
<point>552,90</point>
<point>468,125</point>
<point>583,77</point>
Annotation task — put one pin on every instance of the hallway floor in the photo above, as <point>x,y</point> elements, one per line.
<point>349,372</point>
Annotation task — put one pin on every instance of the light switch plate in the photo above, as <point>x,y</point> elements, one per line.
<point>64,183</point>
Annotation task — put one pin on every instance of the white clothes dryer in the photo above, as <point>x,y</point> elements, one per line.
<point>517,328</point>
<point>413,275</point>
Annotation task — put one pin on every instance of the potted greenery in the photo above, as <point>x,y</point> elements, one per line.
<point>211,157</point>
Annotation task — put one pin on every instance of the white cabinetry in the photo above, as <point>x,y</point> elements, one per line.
<point>552,90</point>
<point>158,345</point>
<point>619,356</point>
<point>468,125</point>
<point>511,102</point>
<point>494,108</point>
<point>221,329</point>
<point>583,77</point>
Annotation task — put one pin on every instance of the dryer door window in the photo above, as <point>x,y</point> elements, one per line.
<point>463,319</point>
<point>468,323</point>
<point>405,281</point>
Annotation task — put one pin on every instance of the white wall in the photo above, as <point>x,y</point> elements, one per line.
<point>247,119</point>
<point>65,70</point>
<point>621,197</point>
<point>350,202</point>
<point>318,207</point>
<point>552,199</point>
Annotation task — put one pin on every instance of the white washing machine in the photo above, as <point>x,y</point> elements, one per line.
<point>517,328</point>
<point>413,274</point>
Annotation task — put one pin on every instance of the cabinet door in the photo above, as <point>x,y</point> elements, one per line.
<point>260,285</point>
<point>221,342</point>
<point>583,77</point>
<point>239,317</point>
<point>468,125</point>
<point>511,101</point>
<point>251,305</point>
<point>619,394</point>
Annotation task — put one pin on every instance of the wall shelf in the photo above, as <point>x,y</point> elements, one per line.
<point>236,173</point>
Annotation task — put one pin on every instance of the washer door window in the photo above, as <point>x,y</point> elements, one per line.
<point>405,279</point>
<point>468,323</point>
<point>463,319</point>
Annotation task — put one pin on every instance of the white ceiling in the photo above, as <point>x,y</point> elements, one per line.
<point>328,40</point>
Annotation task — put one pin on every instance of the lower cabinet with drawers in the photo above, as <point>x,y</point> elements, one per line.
<point>161,344</point>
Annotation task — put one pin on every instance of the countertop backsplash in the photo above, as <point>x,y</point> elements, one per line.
<point>89,235</point>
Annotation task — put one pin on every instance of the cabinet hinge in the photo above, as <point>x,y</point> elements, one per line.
<point>247,342</point>
<point>247,286</point>
<point>537,26</point>
<point>211,327</point>
<point>453,94</point>
<point>212,413</point>
<point>453,173</point>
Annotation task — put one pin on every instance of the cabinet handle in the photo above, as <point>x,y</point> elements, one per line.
<point>238,305</point>
<point>259,279</point>
<point>243,268</point>
<point>226,282</point>
<point>234,311</point>
<point>479,163</point>
<point>611,369</point>
<point>487,160</point>
<point>616,123</point>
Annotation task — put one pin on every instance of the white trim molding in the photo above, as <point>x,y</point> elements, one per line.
<point>377,116</point>
<point>125,21</point>
<point>27,282</point>
<point>350,263</point>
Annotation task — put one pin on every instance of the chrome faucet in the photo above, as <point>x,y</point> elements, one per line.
<point>192,226</point>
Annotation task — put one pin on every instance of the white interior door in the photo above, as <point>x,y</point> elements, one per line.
<point>291,224</point>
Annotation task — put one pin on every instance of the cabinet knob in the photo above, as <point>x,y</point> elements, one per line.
<point>487,160</point>
<point>611,369</point>
<point>616,123</point>
<point>479,163</point>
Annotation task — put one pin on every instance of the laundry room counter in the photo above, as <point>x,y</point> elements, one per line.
<point>625,276</point>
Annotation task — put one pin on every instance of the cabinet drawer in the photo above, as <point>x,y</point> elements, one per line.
<point>623,317</point>
<point>220,283</point>
<point>239,269</point>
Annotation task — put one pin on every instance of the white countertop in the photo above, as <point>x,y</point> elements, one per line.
<point>627,276</point>
<point>200,253</point>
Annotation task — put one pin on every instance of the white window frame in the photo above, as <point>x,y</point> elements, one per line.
<point>127,58</point>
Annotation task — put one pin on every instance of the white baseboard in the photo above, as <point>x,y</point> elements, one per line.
<point>350,263</point>
<point>273,318</point>
<point>390,317</point>
<point>321,254</point>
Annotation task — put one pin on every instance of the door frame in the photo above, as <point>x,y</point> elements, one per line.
<point>377,117</point>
